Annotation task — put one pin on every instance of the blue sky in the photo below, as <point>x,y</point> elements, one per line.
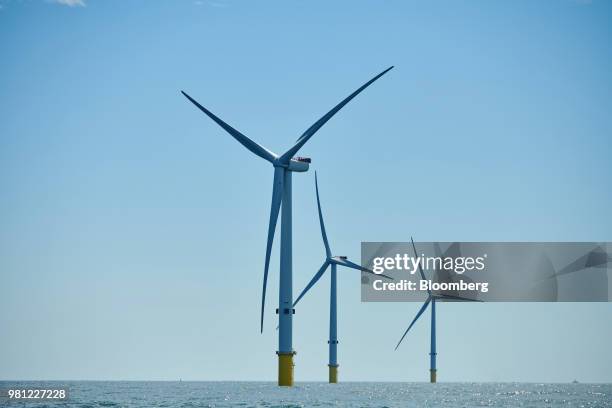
<point>133,228</point>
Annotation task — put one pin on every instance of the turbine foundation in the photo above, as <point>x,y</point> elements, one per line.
<point>432,375</point>
<point>333,374</point>
<point>285,369</point>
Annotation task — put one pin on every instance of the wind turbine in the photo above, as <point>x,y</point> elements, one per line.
<point>334,261</point>
<point>431,299</point>
<point>284,165</point>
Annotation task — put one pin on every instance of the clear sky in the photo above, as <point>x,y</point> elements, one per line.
<point>132,228</point>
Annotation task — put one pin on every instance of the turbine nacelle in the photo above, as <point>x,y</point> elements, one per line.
<point>337,259</point>
<point>299,164</point>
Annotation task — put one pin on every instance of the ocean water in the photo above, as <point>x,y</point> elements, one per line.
<point>90,394</point>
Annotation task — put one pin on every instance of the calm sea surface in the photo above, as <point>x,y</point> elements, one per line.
<point>263,394</point>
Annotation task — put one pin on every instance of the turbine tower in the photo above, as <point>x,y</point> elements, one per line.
<point>334,261</point>
<point>431,299</point>
<point>284,165</point>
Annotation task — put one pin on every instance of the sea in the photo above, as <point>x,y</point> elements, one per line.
<point>90,394</point>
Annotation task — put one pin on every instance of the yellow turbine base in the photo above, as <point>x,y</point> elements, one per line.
<point>432,376</point>
<point>285,369</point>
<point>333,374</point>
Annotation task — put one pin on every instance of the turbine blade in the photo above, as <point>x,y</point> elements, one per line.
<point>314,280</point>
<point>242,139</point>
<point>414,320</point>
<point>454,297</point>
<point>323,233</point>
<point>420,267</point>
<point>352,265</point>
<point>319,123</point>
<point>277,196</point>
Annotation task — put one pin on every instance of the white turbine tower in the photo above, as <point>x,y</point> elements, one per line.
<point>284,165</point>
<point>334,261</point>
